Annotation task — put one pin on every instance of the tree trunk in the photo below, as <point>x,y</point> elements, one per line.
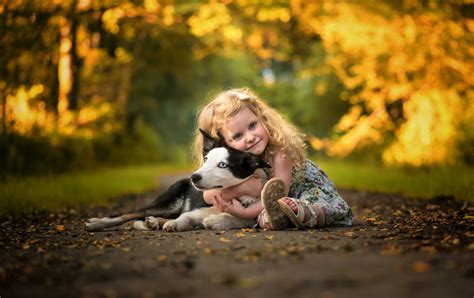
<point>76,64</point>
<point>69,64</point>
<point>4,110</point>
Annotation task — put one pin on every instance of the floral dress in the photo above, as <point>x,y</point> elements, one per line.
<point>310,184</point>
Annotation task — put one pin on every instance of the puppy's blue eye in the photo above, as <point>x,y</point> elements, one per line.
<point>222,165</point>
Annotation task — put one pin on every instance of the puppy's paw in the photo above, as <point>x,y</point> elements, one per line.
<point>89,226</point>
<point>176,226</point>
<point>170,226</point>
<point>96,224</point>
<point>152,223</point>
<point>140,225</point>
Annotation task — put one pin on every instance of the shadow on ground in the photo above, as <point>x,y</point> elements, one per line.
<point>397,248</point>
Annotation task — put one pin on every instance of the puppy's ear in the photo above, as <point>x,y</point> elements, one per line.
<point>209,142</point>
<point>253,162</point>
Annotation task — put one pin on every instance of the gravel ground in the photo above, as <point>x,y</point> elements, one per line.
<point>397,247</point>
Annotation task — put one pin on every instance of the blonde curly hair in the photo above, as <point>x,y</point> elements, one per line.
<point>283,136</point>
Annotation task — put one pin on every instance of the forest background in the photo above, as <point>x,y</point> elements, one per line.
<point>92,84</point>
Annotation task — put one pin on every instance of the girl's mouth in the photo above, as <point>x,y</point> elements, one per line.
<point>250,148</point>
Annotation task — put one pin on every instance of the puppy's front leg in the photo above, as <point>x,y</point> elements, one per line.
<point>189,220</point>
<point>150,223</point>
<point>225,221</point>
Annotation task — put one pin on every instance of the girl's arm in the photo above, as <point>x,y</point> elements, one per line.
<point>209,195</point>
<point>236,209</point>
<point>282,167</point>
<point>252,188</point>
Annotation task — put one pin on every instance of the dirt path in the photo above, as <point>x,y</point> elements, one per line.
<point>397,248</point>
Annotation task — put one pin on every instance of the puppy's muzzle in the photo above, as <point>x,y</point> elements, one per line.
<point>195,178</point>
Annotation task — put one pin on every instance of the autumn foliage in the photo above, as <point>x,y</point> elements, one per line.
<point>407,77</point>
<point>90,69</point>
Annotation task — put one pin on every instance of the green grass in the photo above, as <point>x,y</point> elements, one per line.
<point>421,183</point>
<point>99,187</point>
<point>30,194</point>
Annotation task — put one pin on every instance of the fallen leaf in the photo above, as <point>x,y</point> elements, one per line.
<point>420,266</point>
<point>351,235</point>
<point>428,249</point>
<point>225,240</point>
<point>209,251</point>
<point>162,259</point>
<point>391,250</point>
<point>246,283</point>
<point>248,230</point>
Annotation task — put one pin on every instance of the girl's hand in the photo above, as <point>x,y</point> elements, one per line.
<point>210,195</point>
<point>230,193</point>
<point>233,207</point>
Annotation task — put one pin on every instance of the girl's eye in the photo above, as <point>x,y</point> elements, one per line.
<point>237,137</point>
<point>253,125</point>
<point>222,165</point>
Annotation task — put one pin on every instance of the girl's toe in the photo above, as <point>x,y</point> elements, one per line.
<point>294,207</point>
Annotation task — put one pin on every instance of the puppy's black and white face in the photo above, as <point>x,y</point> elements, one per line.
<point>224,167</point>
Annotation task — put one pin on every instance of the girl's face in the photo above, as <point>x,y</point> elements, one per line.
<point>245,132</point>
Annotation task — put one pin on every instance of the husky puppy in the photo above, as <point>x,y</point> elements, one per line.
<point>223,167</point>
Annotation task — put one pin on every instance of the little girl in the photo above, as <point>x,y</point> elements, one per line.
<point>299,191</point>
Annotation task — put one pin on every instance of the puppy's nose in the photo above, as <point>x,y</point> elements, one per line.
<point>196,178</point>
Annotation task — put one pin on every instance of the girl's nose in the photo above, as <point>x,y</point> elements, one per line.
<point>250,138</point>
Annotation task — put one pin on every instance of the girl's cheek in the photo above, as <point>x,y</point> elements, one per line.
<point>234,145</point>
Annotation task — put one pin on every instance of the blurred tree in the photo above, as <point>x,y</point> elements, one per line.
<point>25,43</point>
<point>406,74</point>
<point>393,74</point>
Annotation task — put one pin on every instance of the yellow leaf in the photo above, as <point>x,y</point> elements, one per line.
<point>246,283</point>
<point>428,249</point>
<point>162,258</point>
<point>420,266</point>
<point>225,240</point>
<point>209,251</point>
